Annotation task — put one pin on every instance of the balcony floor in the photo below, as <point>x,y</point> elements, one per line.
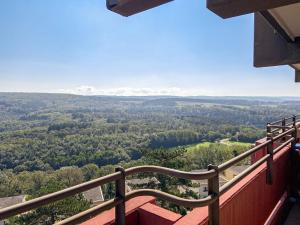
<point>294,215</point>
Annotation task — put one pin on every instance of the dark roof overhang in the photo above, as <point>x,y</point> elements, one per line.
<point>276,29</point>
<point>272,46</point>
<point>131,7</point>
<point>231,8</point>
<point>276,38</point>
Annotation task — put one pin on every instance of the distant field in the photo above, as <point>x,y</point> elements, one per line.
<point>210,105</point>
<point>197,147</point>
<point>205,153</point>
<point>236,143</point>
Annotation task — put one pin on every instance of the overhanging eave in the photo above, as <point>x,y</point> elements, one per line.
<point>231,8</point>
<point>131,7</point>
<point>270,46</point>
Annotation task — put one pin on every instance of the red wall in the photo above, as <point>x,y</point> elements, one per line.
<point>251,201</point>
<point>259,154</point>
<point>253,204</point>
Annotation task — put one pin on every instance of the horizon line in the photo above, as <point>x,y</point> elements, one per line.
<point>182,96</point>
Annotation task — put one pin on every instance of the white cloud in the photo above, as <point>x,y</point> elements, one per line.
<point>128,91</point>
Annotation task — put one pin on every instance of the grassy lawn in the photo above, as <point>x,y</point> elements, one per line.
<point>236,143</point>
<point>196,147</point>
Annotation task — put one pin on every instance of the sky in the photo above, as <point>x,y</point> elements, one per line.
<point>180,48</point>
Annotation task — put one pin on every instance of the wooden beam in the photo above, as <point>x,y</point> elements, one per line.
<point>131,7</point>
<point>231,8</point>
<point>297,76</point>
<point>270,47</point>
<point>273,22</point>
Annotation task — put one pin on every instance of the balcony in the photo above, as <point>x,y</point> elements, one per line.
<point>256,196</point>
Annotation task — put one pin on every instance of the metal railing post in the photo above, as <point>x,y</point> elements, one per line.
<point>294,134</point>
<point>120,194</point>
<point>283,123</point>
<point>269,174</point>
<point>213,189</point>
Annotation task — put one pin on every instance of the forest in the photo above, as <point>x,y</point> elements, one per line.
<point>52,141</point>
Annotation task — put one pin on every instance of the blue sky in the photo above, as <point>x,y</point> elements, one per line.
<point>180,48</point>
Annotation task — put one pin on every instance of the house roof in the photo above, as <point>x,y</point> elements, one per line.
<point>13,200</point>
<point>238,169</point>
<point>142,181</point>
<point>94,194</point>
<point>222,179</point>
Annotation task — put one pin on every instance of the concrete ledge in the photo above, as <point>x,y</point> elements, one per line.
<point>150,214</point>
<point>108,217</point>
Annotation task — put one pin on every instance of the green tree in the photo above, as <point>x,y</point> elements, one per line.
<point>53,212</point>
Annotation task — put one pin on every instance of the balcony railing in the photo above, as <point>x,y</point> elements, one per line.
<point>282,132</point>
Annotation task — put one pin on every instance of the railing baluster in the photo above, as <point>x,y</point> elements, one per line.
<point>294,134</point>
<point>269,174</point>
<point>120,194</point>
<point>283,127</point>
<point>213,189</point>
